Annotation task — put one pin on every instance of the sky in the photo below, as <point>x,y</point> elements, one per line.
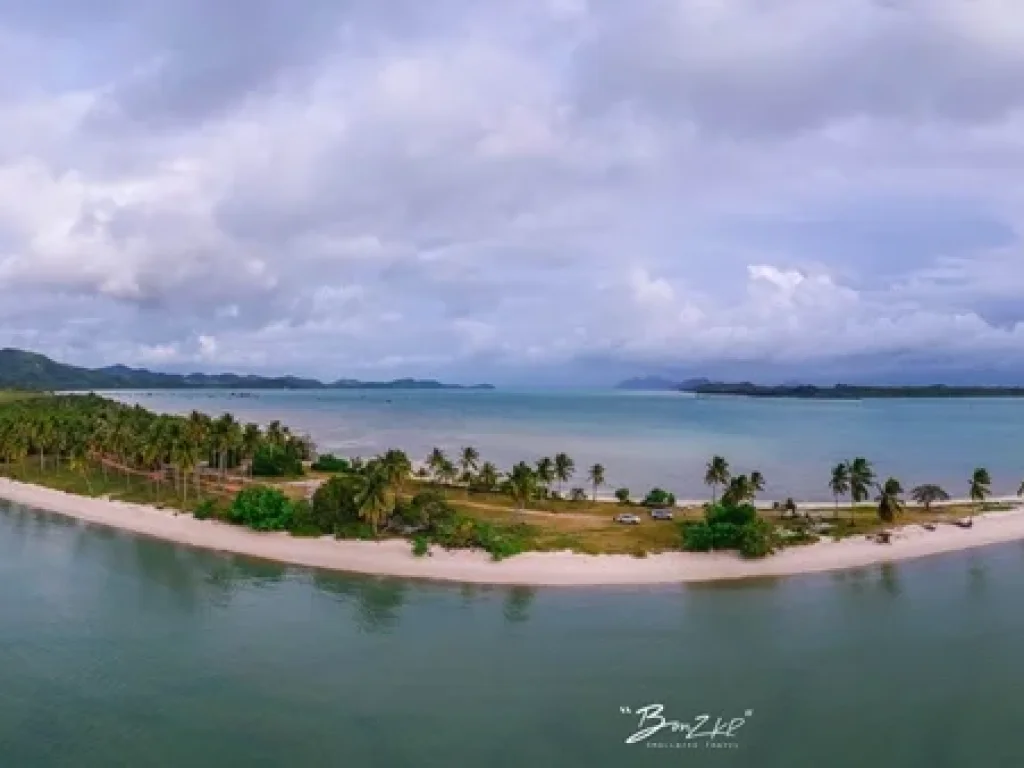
<point>555,191</point>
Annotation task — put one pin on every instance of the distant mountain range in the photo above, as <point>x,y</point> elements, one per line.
<point>811,392</point>
<point>27,370</point>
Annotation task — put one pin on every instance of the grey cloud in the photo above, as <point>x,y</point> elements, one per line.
<point>755,68</point>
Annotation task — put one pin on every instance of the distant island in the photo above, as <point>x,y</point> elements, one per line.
<point>703,386</point>
<point>849,392</point>
<point>28,370</point>
<point>659,384</point>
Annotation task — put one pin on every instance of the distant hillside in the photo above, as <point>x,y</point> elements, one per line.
<point>849,392</point>
<point>659,384</point>
<point>27,370</point>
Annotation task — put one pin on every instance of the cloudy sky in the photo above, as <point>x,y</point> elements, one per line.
<point>554,191</point>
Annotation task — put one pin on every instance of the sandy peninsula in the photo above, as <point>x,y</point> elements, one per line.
<point>395,558</point>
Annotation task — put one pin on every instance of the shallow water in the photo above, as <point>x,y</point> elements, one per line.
<point>649,439</point>
<point>118,650</point>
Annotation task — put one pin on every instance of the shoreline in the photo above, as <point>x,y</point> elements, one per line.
<point>394,558</point>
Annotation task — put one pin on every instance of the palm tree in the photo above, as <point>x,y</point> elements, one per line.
<point>487,477</point>
<point>435,461</point>
<point>373,499</point>
<point>839,484</point>
<point>756,484</point>
<point>79,463</point>
<point>545,472</point>
<point>469,458</point>
<point>740,490</point>
<point>565,468</point>
<point>862,477</point>
<point>1020,491</point>
<point>928,494</point>
<point>396,468</point>
<point>447,472</point>
<point>251,439</point>
<point>522,482</point>
<point>716,474</point>
<point>889,502</point>
<point>275,433</point>
<point>981,484</point>
<point>596,477</point>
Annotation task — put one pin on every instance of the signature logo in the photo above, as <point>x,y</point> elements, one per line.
<point>701,731</point>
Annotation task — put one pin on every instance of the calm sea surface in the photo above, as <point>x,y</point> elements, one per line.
<point>655,439</point>
<point>122,651</point>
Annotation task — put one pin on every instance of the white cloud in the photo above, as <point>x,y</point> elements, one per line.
<point>473,185</point>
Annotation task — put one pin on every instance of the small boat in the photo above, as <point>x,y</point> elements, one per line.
<point>929,526</point>
<point>962,523</point>
<point>884,537</point>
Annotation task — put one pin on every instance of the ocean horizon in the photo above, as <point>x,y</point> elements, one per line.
<point>648,439</point>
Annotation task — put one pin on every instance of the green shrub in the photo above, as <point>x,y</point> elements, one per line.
<point>262,509</point>
<point>578,494</point>
<point>622,495</point>
<point>659,497</point>
<point>355,530</point>
<point>302,520</point>
<point>420,546</point>
<point>738,515</point>
<point>336,503</point>
<point>328,462</point>
<point>757,539</point>
<point>205,509</point>
<point>697,537</point>
<point>725,535</point>
<point>276,461</point>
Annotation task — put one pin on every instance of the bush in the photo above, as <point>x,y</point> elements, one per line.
<point>578,494</point>
<point>498,542</point>
<point>459,532</point>
<point>430,508</point>
<point>302,520</point>
<point>335,503</point>
<point>622,494</point>
<point>697,537</point>
<point>420,546</point>
<point>730,527</point>
<point>659,497</point>
<point>328,462</point>
<point>356,529</point>
<point>725,535</point>
<point>757,539</point>
<point>262,509</point>
<point>738,515</point>
<point>205,509</point>
<point>276,461</point>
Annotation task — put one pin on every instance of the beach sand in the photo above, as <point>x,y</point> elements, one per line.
<point>395,558</point>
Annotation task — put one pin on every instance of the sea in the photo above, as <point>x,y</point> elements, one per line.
<point>646,440</point>
<point>117,650</point>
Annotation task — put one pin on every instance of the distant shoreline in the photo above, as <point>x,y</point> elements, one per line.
<point>541,569</point>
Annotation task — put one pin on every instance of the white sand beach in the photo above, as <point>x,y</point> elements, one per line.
<point>395,558</point>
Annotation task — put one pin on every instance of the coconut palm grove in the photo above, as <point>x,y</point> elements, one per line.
<point>269,478</point>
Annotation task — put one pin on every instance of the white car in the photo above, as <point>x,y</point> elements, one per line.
<point>627,518</point>
<point>661,514</point>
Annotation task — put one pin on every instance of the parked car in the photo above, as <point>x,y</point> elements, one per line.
<point>661,514</point>
<point>627,519</point>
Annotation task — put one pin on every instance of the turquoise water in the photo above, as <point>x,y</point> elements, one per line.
<point>657,439</point>
<point>118,650</point>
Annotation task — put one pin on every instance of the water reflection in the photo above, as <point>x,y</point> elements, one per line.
<point>977,576</point>
<point>378,602</point>
<point>517,604</point>
<point>888,578</point>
